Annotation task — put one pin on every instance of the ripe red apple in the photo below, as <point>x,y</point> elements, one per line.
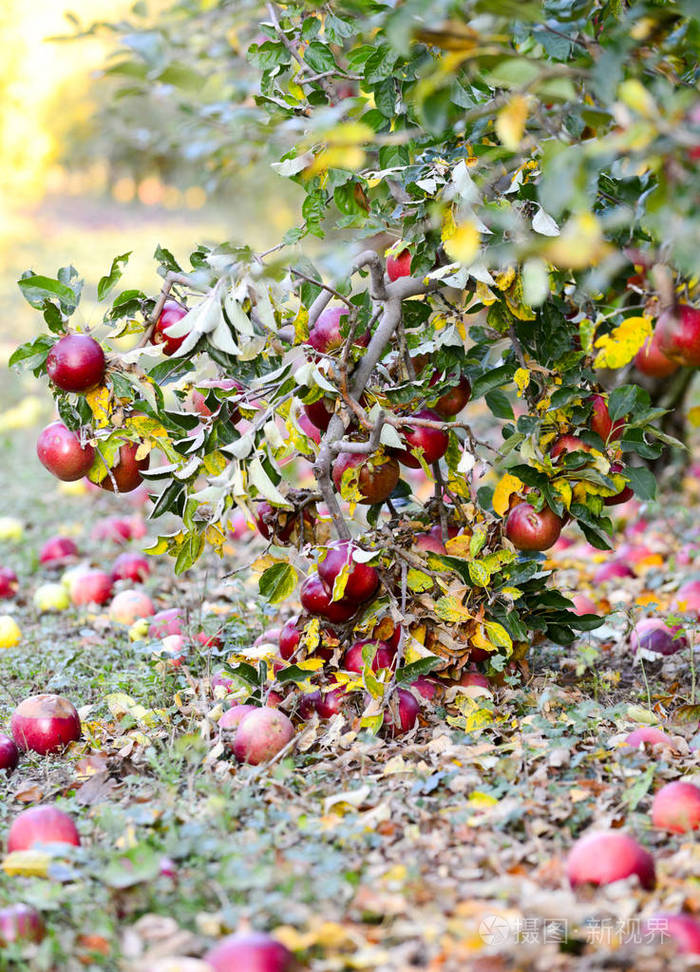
<point>363,579</point>
<point>433,442</point>
<point>221,678</point>
<point>678,335</point>
<point>383,657</point>
<point>610,571</point>
<point>653,634</point>
<point>20,923</point>
<point>529,530</point>
<point>453,401</point>
<point>478,683</point>
<point>45,723</point>
<point>316,599</point>
<point>650,735</point>
<point>427,687</point>
<point>130,605</point>
<point>113,528</point>
<point>283,525</point>
<point>164,623</point>
<point>60,451</point>
<point>326,703</point>
<point>432,541</point>
<point>604,857</point>
<point>172,313</point>
<point>584,605</point>
<point>126,472</point>
<point>568,443</point>
<point>376,481</point>
<point>683,929</point>
<point>408,709</point>
<point>270,636</point>
<point>231,720</point>
<point>58,551</point>
<point>676,807</point>
<point>651,360</point>
<point>8,582</point>
<point>76,363</point>
<point>238,525</point>
<point>131,566</point>
<point>625,494</point>
<point>325,335</point>
<point>199,398</point>
<point>289,638</point>
<point>687,599</point>
<point>319,414</point>
<point>209,641</point>
<point>399,265</point>
<point>601,423</point>
<point>41,825</point>
<point>251,952</point>
<point>9,754</point>
<point>261,735</point>
<point>90,587</point>
<point>308,428</point>
<point>172,650</point>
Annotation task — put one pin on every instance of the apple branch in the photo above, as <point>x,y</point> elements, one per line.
<point>322,472</point>
<point>171,278</point>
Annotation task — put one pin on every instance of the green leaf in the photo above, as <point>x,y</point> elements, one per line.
<point>642,481</point>
<point>115,273</point>
<point>278,583</point>
<point>411,672</point>
<point>319,57</point>
<point>36,289</point>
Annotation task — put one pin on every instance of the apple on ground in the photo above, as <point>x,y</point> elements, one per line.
<point>168,622</point>
<point>683,929</point>
<point>41,825</point>
<point>10,632</point>
<point>58,551</point>
<point>9,754</point>
<point>113,528</point>
<point>653,634</point>
<point>129,605</point>
<point>603,857</point>
<point>584,605</point>
<point>362,579</point>
<point>51,597</point>
<point>8,582</point>
<point>76,363</point>
<point>401,714</point>
<point>687,599</point>
<point>60,451</point>
<point>173,650</point>
<point>90,587</point>
<point>261,735</point>
<point>249,952</point>
<point>528,529</point>
<point>131,566</point>
<point>613,570</point>
<point>231,720</point>
<point>648,735</point>
<point>427,687</point>
<point>376,480</point>
<point>45,723</point>
<point>20,923</point>
<point>676,807</point>
<point>383,656</point>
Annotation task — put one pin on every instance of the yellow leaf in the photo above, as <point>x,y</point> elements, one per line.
<point>505,279</point>
<point>215,463</point>
<point>694,416</point>
<point>459,546</point>
<point>450,608</point>
<point>510,122</point>
<point>522,380</point>
<point>633,94</point>
<point>619,347</point>
<point>506,486</point>
<point>482,800</point>
<point>417,581</point>
<point>337,157</point>
<point>580,245</point>
<point>563,488</point>
<point>461,241</point>
<point>98,400</point>
<point>479,640</point>
<point>27,863</point>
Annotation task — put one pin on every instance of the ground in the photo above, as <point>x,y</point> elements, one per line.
<point>434,852</point>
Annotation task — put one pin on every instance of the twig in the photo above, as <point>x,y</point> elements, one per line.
<point>323,286</point>
<point>439,486</point>
<point>171,278</point>
<point>362,448</point>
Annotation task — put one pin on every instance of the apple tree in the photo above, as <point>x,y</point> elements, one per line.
<point>508,199</point>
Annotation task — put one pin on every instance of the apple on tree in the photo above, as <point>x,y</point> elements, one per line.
<point>76,363</point>
<point>376,477</point>
<point>62,453</point>
<point>125,474</point>
<point>678,335</point>
<point>171,314</point>
<point>528,529</point>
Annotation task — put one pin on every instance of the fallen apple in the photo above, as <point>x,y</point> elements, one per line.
<point>604,857</point>
<point>45,723</point>
<point>261,735</point>
<point>648,735</point>
<point>20,923</point>
<point>41,825</point>
<point>683,929</point>
<point>51,597</point>
<point>58,551</point>
<point>10,632</point>
<point>676,807</point>
<point>9,754</point>
<point>653,634</point>
<point>129,605</point>
<point>249,952</point>
<point>90,587</point>
<point>168,622</point>
<point>131,566</point>
<point>8,582</point>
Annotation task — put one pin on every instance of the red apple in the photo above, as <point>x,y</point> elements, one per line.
<point>167,868</point>
<point>45,723</point>
<point>529,530</point>
<point>408,710</point>
<point>316,599</point>
<point>270,636</point>
<point>221,678</point>
<point>687,599</point>
<point>238,525</point>
<point>678,335</point>
<point>676,807</point>
<point>649,735</point>
<point>126,472</point>
<point>41,825</point>
<point>225,384</point>
<point>399,265</point>
<point>330,703</point>
<point>232,718</point>
<point>251,952</point>
<point>131,566</point>
<point>376,480</point>
<point>625,494</point>
<point>453,401</point>
<point>261,735</point>
<point>683,929</point>
<point>171,314</point>
<point>209,641</point>
<point>60,451</point>
<point>325,335</point>
<point>584,605</point>
<point>9,754</point>
<point>363,579</point>
<point>427,687</point>
<point>651,360</point>
<point>20,923</point>
<point>58,551</point>
<point>604,857</point>
<point>90,587</point>
<point>383,657</point>
<point>130,605</point>
<point>566,444</point>
<point>282,525</point>
<point>432,442</point>
<point>601,423</point>
<point>653,634</point>
<point>319,414</point>
<point>168,622</point>
<point>112,528</point>
<point>432,541</point>
<point>476,681</point>
<point>308,428</point>
<point>173,650</point>
<point>76,363</point>
<point>8,582</point>
<point>610,571</point>
<point>289,638</point>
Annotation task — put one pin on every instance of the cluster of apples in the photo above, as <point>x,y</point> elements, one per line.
<point>532,529</point>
